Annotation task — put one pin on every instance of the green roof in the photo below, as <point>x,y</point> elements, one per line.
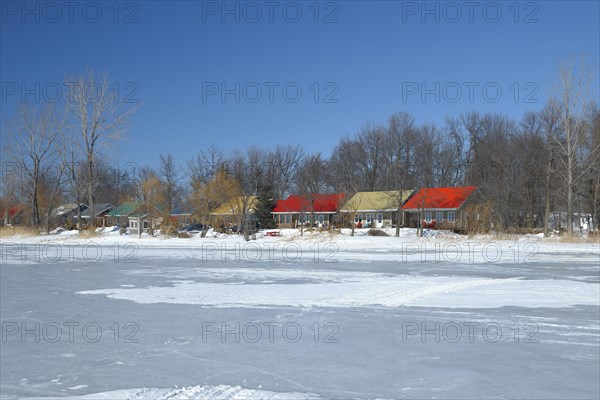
<point>125,209</point>
<point>138,214</point>
<point>376,201</point>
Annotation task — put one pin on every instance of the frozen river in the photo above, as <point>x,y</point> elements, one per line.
<point>374,324</point>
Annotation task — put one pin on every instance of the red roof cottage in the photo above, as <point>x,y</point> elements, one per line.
<point>297,208</point>
<point>11,216</point>
<point>439,206</point>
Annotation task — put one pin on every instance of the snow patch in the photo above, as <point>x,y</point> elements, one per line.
<point>242,289</point>
<point>221,392</point>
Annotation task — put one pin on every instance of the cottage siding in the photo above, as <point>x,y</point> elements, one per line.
<point>296,210</point>
<point>439,207</point>
<point>374,209</point>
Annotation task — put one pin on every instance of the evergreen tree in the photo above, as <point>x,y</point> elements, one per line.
<point>265,203</point>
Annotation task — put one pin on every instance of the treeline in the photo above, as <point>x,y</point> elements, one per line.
<point>525,168</point>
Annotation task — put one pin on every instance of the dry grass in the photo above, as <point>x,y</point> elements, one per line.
<point>574,238</point>
<point>563,238</point>
<point>10,231</point>
<point>87,233</point>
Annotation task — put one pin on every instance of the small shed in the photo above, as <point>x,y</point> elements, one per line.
<point>143,222</point>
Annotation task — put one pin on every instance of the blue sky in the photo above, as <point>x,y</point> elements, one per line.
<point>370,60</point>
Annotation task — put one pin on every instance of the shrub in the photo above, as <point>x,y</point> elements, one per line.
<point>376,232</point>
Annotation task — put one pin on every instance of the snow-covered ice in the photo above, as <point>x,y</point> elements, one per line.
<point>320,316</point>
<point>355,289</point>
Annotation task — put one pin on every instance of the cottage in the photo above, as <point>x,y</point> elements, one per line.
<point>141,218</point>
<point>67,213</point>
<point>375,209</point>
<point>582,222</point>
<point>101,211</point>
<point>299,209</point>
<point>11,216</point>
<point>120,215</point>
<point>180,217</point>
<point>439,207</point>
<point>229,211</point>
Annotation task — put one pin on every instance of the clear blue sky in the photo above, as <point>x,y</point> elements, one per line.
<point>373,58</point>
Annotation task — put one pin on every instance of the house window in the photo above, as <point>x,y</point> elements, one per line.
<point>380,218</point>
<point>451,216</point>
<point>428,216</point>
<point>145,224</point>
<point>358,218</point>
<point>288,218</point>
<point>321,219</point>
<point>369,218</point>
<point>439,216</point>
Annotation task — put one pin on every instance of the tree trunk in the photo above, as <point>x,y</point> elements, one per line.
<point>79,214</point>
<point>91,190</point>
<point>547,209</point>
<point>34,205</point>
<point>547,200</point>
<point>35,211</point>
<point>569,195</point>
<point>595,211</point>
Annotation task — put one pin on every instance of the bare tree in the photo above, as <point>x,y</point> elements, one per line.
<point>170,176</point>
<point>281,166</point>
<point>311,179</point>
<point>204,166</point>
<point>74,171</point>
<point>550,121</point>
<point>97,109</point>
<point>206,197</point>
<point>401,135</point>
<point>51,191</point>
<point>343,167</point>
<point>248,170</point>
<point>594,172</point>
<point>151,197</point>
<point>33,148</point>
<point>575,160</point>
<point>371,140</point>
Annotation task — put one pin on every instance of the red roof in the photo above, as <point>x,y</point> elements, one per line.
<point>448,197</point>
<point>12,211</point>
<point>326,203</point>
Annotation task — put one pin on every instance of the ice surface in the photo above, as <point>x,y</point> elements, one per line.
<point>343,289</point>
<point>178,322</point>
